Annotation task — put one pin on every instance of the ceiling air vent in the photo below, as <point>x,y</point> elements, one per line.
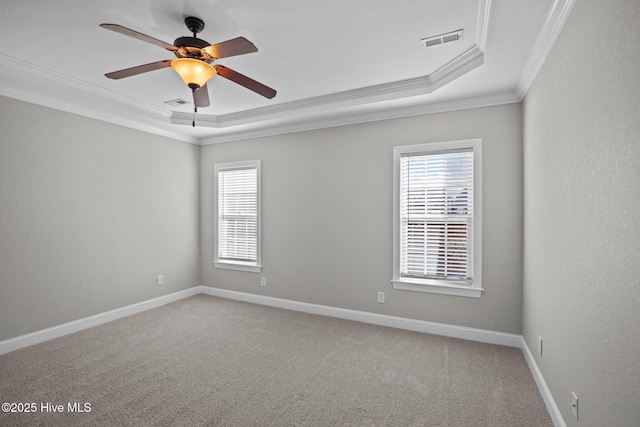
<point>176,102</point>
<point>443,38</point>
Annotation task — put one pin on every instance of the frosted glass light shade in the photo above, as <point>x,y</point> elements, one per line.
<point>193,71</point>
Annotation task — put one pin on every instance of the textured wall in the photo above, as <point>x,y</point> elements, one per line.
<point>327,226</point>
<point>90,214</point>
<point>582,228</point>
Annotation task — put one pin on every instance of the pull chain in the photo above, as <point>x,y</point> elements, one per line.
<point>195,107</point>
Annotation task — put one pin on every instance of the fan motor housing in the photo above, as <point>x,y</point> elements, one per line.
<point>190,42</point>
<point>191,47</point>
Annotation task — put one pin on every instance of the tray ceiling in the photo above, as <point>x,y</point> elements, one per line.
<point>332,62</point>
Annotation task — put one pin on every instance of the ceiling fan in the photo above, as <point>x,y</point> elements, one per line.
<point>194,58</point>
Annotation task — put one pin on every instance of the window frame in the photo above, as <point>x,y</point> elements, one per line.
<point>440,286</point>
<point>249,266</point>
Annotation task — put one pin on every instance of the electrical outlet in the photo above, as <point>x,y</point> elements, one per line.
<point>539,345</point>
<point>263,281</point>
<point>574,404</point>
<point>160,280</point>
<point>381,297</point>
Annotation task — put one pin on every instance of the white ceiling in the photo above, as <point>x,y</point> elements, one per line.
<point>332,61</point>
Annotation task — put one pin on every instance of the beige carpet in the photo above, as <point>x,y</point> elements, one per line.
<point>210,361</point>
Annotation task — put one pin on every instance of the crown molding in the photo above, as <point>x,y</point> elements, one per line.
<point>38,85</point>
<point>336,119</point>
<point>553,25</point>
<point>484,12</point>
<point>462,64</point>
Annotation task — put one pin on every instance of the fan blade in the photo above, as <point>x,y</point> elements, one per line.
<point>201,97</point>
<point>136,35</point>
<point>233,47</point>
<point>245,81</point>
<point>128,72</point>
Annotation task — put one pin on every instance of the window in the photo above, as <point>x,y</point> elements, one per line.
<point>237,241</point>
<point>437,218</point>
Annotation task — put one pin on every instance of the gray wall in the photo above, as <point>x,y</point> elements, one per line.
<point>90,214</point>
<point>582,225</point>
<point>327,230</point>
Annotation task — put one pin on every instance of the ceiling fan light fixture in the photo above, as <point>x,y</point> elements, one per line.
<point>194,73</point>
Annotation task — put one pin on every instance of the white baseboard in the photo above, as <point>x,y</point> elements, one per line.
<point>481,335</point>
<point>549,401</point>
<point>88,322</point>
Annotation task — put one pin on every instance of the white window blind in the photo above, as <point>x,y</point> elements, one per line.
<point>238,214</point>
<point>436,213</point>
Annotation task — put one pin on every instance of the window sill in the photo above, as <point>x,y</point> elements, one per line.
<point>421,285</point>
<point>238,265</point>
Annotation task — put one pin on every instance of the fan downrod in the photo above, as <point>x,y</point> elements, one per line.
<point>195,25</point>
